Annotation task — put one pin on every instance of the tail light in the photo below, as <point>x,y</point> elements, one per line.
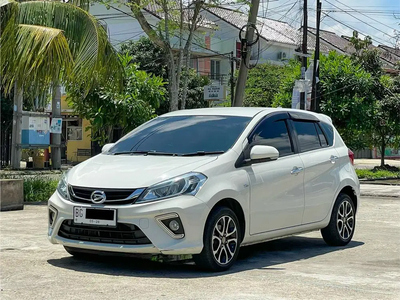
<point>351,156</point>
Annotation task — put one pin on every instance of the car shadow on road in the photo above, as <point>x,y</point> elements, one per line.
<point>269,256</point>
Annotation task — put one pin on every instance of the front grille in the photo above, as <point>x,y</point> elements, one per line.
<point>128,234</point>
<point>113,196</point>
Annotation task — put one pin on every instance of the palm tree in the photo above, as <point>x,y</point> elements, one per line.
<point>48,43</point>
<point>45,42</point>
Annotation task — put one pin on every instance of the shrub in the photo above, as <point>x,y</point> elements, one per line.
<point>377,174</point>
<point>39,188</point>
<point>36,188</point>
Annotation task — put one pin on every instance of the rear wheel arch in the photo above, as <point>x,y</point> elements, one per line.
<point>348,190</point>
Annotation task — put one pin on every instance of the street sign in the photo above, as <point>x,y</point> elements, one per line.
<point>214,92</point>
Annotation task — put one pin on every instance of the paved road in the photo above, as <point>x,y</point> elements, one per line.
<point>300,267</point>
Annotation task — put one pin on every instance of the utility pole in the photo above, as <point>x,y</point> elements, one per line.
<point>17,128</point>
<point>315,92</point>
<point>56,137</point>
<point>232,79</point>
<point>303,95</point>
<point>246,53</point>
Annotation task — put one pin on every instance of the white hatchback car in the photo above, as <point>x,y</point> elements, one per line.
<point>207,181</point>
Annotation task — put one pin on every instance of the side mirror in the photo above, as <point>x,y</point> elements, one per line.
<point>107,147</point>
<point>264,152</point>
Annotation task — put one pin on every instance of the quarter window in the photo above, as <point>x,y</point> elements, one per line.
<point>328,129</point>
<point>322,138</point>
<point>274,134</point>
<point>307,135</point>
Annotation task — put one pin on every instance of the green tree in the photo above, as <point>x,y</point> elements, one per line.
<point>265,81</point>
<point>147,56</point>
<point>52,42</point>
<point>150,58</point>
<point>107,108</point>
<point>347,96</point>
<point>385,129</point>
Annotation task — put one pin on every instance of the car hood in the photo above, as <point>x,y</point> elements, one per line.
<point>132,171</point>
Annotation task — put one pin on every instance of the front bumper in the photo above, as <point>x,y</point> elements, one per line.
<point>192,212</point>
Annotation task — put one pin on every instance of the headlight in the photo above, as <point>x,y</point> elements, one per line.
<point>187,184</point>
<point>62,187</point>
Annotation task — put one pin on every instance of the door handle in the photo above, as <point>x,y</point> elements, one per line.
<point>296,170</point>
<point>333,158</point>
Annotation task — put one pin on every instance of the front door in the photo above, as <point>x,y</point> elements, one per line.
<point>277,193</point>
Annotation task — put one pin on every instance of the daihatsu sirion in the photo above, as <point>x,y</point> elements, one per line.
<point>207,181</point>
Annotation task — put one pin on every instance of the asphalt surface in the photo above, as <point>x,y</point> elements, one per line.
<point>300,267</point>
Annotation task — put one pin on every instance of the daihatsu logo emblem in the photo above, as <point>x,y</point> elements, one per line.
<point>98,197</point>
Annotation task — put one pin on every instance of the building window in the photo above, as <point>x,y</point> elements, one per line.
<point>74,129</point>
<point>215,69</point>
<point>194,63</point>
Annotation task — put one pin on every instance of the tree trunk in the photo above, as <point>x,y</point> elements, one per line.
<point>56,137</point>
<point>383,147</point>
<point>195,19</point>
<point>17,128</point>
<point>172,84</point>
<point>185,81</point>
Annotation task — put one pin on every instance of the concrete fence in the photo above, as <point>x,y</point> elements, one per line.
<point>11,194</point>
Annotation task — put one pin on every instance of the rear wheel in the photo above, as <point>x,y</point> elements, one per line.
<point>221,239</point>
<point>340,229</point>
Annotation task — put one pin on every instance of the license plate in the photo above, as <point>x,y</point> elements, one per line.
<point>95,216</point>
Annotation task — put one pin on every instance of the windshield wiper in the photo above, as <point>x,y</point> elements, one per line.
<point>146,153</point>
<point>201,153</point>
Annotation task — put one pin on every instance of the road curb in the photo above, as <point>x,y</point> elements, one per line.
<point>377,195</point>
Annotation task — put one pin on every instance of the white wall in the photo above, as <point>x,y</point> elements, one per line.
<point>121,28</point>
<point>225,37</point>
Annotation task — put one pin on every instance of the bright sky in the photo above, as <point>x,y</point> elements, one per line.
<point>372,17</point>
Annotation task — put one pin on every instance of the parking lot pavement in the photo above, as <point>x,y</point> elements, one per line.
<point>300,267</point>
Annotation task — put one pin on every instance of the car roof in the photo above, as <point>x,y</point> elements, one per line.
<point>240,112</point>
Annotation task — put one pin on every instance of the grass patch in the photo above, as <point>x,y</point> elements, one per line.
<point>39,188</point>
<point>377,174</point>
<point>36,188</point>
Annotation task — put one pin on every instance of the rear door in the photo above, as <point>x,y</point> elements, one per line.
<point>321,165</point>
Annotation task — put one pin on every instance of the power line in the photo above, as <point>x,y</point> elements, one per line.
<point>353,29</point>
<point>365,15</point>
<point>361,20</point>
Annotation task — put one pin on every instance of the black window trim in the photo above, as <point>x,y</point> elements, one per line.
<point>296,138</point>
<point>275,116</point>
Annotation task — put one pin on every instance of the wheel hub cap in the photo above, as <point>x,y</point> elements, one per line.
<point>224,240</point>
<point>345,220</point>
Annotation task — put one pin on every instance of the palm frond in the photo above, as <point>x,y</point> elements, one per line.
<point>38,56</point>
<point>94,56</point>
<point>8,10</point>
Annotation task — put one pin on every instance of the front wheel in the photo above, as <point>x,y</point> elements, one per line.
<point>340,229</point>
<point>221,239</point>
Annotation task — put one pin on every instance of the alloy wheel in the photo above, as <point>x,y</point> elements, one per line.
<point>224,241</point>
<point>345,220</point>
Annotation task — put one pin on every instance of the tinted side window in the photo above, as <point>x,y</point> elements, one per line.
<point>322,138</point>
<point>307,135</point>
<point>328,129</point>
<point>274,134</point>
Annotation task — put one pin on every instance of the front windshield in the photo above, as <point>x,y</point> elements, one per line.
<point>183,135</point>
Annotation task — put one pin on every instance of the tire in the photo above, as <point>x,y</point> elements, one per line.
<point>221,242</point>
<point>340,229</point>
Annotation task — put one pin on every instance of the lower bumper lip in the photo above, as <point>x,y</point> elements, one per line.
<point>192,212</point>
